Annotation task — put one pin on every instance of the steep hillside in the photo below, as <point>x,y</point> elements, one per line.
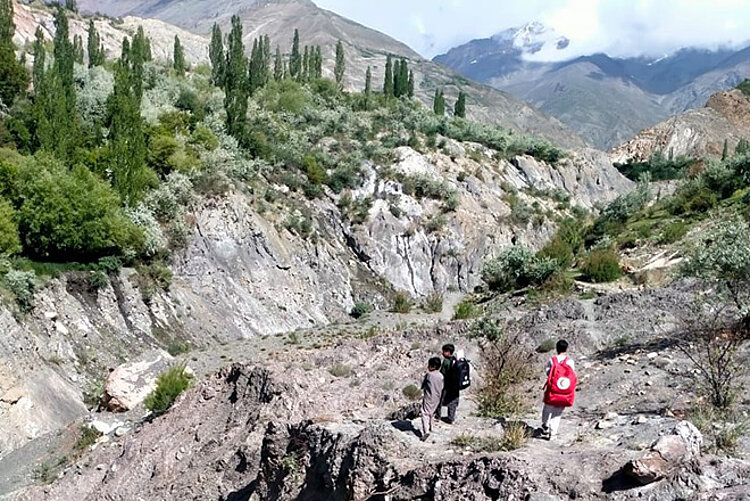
<point>365,47</point>
<point>606,100</point>
<point>695,133</point>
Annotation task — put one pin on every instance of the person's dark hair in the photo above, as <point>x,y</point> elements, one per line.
<point>562,346</point>
<point>434,363</point>
<point>449,348</point>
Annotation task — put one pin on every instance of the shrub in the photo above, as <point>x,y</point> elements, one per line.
<point>487,328</point>
<point>515,268</point>
<point>477,444</point>
<point>401,303</point>
<point>97,280</point>
<point>360,310</point>
<point>673,232</point>
<point>412,392</point>
<point>601,265</point>
<point>22,284</point>
<point>546,346</point>
<point>723,253</point>
<point>169,386</point>
<point>340,370</point>
<point>464,310</point>
<point>87,437</point>
<point>560,251</point>
<point>10,242</point>
<point>433,303</point>
<point>508,371</point>
<point>71,215</point>
<point>692,197</point>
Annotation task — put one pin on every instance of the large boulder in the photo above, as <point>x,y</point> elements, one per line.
<point>129,384</point>
<point>668,453</point>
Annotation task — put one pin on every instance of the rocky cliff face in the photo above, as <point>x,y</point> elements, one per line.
<point>243,275</point>
<point>694,133</point>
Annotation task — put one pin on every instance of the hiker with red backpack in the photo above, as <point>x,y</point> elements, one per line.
<point>559,390</point>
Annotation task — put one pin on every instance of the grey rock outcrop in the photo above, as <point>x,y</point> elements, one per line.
<point>668,453</point>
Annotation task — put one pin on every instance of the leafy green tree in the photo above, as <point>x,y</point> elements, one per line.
<point>460,109</point>
<point>127,146</point>
<point>7,22</point>
<point>278,65</point>
<point>401,78</point>
<point>725,150</point>
<point>318,62</point>
<point>340,67</point>
<point>14,78</point>
<point>305,73</point>
<point>295,61</point>
<point>70,214</point>
<point>10,242</point>
<point>368,85</point>
<point>78,52</point>
<point>72,5</point>
<point>95,49</point>
<point>179,57</point>
<point>216,55</point>
<point>388,81</point>
<point>743,147</point>
<point>235,85</point>
<point>438,103</point>
<point>410,88</point>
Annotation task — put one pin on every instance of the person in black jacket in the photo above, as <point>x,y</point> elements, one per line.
<point>450,385</point>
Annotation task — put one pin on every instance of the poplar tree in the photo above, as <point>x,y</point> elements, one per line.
<point>460,109</point>
<point>43,132</point>
<point>78,52</point>
<point>14,78</point>
<point>410,90</point>
<point>340,67</point>
<point>135,57</point>
<point>127,142</point>
<point>318,62</point>
<point>438,104</point>
<point>278,65</point>
<point>388,82</point>
<point>179,57</point>
<point>95,49</point>
<point>368,86</point>
<point>72,5</point>
<point>216,55</point>
<point>295,60</point>
<point>305,73</point>
<point>235,85</point>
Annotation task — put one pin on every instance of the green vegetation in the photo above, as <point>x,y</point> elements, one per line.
<point>464,310</point>
<point>601,265</point>
<point>401,303</point>
<point>340,370</point>
<point>169,386</point>
<point>360,310</point>
<point>433,303</point>
<point>87,437</point>
<point>412,392</point>
<point>517,267</point>
<point>745,86</point>
<point>659,167</point>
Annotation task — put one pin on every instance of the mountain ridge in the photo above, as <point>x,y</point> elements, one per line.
<point>587,92</point>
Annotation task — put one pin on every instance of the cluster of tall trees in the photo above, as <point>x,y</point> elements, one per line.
<point>399,80</point>
<point>439,104</point>
<point>240,77</point>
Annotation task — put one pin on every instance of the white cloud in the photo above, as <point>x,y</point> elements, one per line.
<point>618,27</point>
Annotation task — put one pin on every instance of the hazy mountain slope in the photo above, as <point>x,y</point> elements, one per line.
<point>697,132</point>
<point>605,99</point>
<point>365,47</point>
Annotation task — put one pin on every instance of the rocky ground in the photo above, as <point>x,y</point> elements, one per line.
<point>272,421</point>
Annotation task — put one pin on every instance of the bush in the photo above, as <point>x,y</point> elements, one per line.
<point>508,371</point>
<point>169,386</point>
<point>340,370</point>
<point>601,265</point>
<point>360,310</point>
<point>464,310</point>
<point>433,303</point>
<point>87,437</point>
<point>412,392</point>
<point>71,215</point>
<point>23,285</point>
<point>673,232</point>
<point>401,303</point>
<point>723,253</point>
<point>10,242</point>
<point>546,346</point>
<point>515,268</point>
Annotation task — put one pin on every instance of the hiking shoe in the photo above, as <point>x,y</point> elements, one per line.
<point>425,436</point>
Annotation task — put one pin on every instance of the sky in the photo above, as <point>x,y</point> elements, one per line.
<point>616,27</point>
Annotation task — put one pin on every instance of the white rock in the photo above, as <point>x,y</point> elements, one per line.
<point>60,327</point>
<point>611,416</point>
<point>50,315</point>
<point>101,426</point>
<point>605,425</point>
<point>121,431</point>
<point>652,355</point>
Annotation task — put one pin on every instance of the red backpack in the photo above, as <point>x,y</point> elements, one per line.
<point>560,390</point>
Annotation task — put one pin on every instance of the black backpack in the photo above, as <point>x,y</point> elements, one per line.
<point>462,370</point>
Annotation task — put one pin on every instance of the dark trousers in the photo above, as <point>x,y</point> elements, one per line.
<point>449,400</point>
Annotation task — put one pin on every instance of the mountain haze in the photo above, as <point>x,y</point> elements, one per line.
<point>607,100</point>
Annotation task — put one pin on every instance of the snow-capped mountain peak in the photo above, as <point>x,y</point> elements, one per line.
<point>531,38</point>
